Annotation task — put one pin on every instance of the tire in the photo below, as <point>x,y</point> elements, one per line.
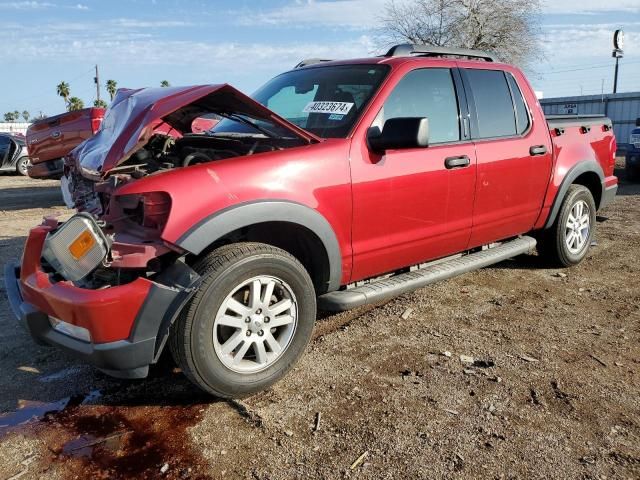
<point>555,244</point>
<point>226,310</point>
<point>22,165</point>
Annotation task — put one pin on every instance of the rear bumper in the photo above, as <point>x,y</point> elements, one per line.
<point>129,324</point>
<point>48,169</point>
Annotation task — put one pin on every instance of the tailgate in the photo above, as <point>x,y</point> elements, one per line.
<point>54,137</point>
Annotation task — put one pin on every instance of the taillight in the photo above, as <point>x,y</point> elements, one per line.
<point>97,115</point>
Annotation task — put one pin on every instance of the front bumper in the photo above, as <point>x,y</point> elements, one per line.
<point>129,324</point>
<point>48,169</point>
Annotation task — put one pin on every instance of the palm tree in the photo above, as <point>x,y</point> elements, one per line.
<point>165,83</point>
<point>8,117</point>
<point>75,103</point>
<point>112,87</point>
<point>16,115</point>
<point>100,103</point>
<point>25,115</point>
<point>63,91</point>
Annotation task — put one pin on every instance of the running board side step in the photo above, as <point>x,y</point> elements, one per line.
<point>388,288</point>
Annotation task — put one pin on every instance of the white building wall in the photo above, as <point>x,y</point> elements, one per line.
<point>14,127</point>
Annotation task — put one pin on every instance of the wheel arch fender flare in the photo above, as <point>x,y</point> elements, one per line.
<point>215,226</point>
<point>587,166</point>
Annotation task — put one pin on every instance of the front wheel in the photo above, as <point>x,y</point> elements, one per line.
<point>249,322</point>
<point>22,166</point>
<point>567,242</point>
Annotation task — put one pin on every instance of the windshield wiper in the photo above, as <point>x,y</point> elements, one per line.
<point>251,123</point>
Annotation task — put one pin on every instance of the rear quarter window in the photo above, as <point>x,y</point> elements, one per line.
<point>522,112</point>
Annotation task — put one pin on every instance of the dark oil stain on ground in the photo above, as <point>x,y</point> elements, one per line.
<point>132,433</point>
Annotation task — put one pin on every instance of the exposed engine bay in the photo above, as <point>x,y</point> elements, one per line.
<point>163,152</point>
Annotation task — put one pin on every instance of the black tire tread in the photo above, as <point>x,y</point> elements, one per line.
<point>551,241</point>
<point>215,261</point>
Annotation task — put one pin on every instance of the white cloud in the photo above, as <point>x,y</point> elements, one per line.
<point>25,5</point>
<point>590,6</point>
<point>127,41</point>
<point>354,14</point>
<point>132,23</point>
<point>587,41</point>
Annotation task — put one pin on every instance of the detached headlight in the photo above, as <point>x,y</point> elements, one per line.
<point>76,248</point>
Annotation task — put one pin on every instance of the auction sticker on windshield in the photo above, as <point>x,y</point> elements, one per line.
<point>341,108</point>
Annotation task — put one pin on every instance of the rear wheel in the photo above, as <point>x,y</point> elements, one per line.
<point>249,322</point>
<point>567,242</point>
<point>22,166</point>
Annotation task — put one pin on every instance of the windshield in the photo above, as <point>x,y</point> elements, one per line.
<point>326,101</point>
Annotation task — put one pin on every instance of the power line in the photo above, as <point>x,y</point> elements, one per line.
<point>590,67</point>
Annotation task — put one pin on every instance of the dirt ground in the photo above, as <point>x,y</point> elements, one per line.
<point>554,391</point>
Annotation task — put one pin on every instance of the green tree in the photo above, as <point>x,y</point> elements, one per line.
<point>8,117</point>
<point>64,91</point>
<point>100,103</point>
<point>112,87</point>
<point>25,115</point>
<point>16,115</point>
<point>75,103</point>
<point>165,83</point>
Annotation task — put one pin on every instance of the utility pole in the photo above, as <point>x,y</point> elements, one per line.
<point>96,79</point>
<point>618,44</point>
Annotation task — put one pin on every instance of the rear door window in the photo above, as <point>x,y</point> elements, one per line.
<point>430,93</point>
<point>494,106</point>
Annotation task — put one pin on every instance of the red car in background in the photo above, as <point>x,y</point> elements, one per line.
<point>51,139</point>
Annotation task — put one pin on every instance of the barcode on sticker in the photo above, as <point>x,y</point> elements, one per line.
<point>341,108</point>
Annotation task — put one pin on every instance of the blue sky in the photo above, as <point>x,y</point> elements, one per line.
<point>141,42</point>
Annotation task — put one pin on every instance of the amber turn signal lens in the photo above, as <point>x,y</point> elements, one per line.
<point>81,245</point>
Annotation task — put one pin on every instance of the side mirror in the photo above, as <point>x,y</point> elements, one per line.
<point>399,133</point>
<point>637,122</point>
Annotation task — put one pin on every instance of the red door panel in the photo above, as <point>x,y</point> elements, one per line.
<point>408,208</point>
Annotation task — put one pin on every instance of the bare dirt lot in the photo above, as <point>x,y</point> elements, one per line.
<point>381,392</point>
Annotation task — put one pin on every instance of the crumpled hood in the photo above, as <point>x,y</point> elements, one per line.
<point>135,115</point>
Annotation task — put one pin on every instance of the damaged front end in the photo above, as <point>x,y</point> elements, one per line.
<point>146,132</point>
<point>104,284</point>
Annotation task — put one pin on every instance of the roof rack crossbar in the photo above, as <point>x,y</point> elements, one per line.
<point>310,61</point>
<point>408,49</point>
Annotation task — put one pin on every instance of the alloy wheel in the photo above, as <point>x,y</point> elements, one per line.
<point>255,324</point>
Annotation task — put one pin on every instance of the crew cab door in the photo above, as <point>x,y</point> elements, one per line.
<point>514,155</point>
<point>413,205</point>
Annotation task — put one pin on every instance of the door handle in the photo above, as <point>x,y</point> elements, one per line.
<point>537,150</point>
<point>457,162</point>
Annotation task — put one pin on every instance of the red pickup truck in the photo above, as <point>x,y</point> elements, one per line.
<point>52,138</point>
<point>337,184</point>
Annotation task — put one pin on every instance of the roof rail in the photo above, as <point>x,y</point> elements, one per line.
<point>310,61</point>
<point>408,49</point>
